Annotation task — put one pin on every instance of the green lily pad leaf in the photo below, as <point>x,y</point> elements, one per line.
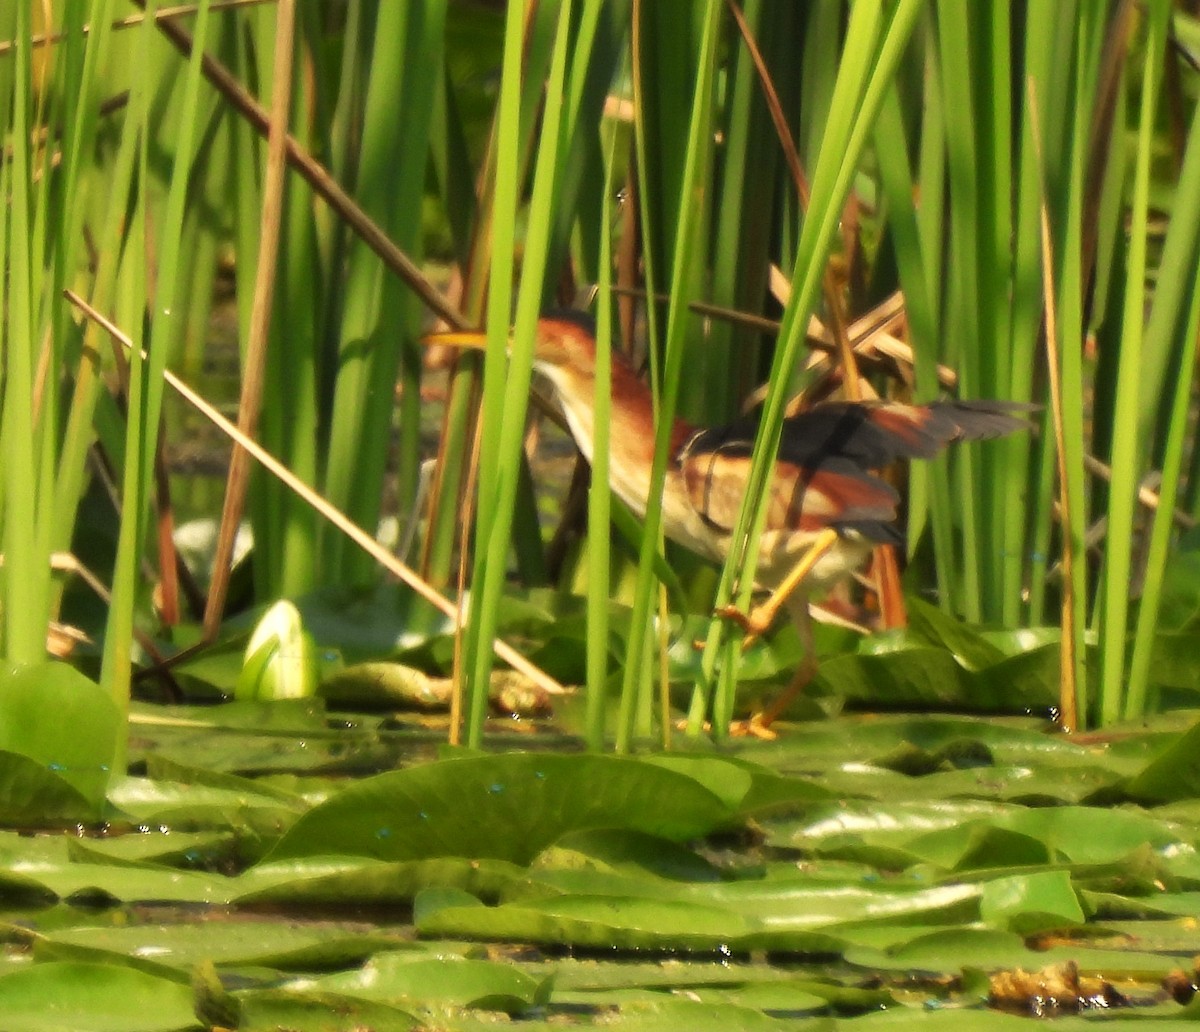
<point>161,768</point>
<point>1031,903</point>
<point>447,979</point>
<point>289,737</point>
<point>104,884</point>
<point>931,667</point>
<point>893,821</point>
<point>599,921</point>
<point>215,1006</point>
<point>1087,835</point>
<point>672,1015</point>
<point>1026,682</point>
<point>928,624</point>
<point>631,851</point>
<point>287,716</point>
<point>979,845</point>
<point>82,761</point>
<point>729,781</point>
<point>785,997</point>
<point>950,950</point>
<point>798,904</point>
<point>1049,784</point>
<point>22,890</point>
<point>943,950</point>
<point>287,945</point>
<point>507,807</point>
<point>747,788</point>
<point>206,850</point>
<point>211,674</point>
<point>576,879</point>
<point>915,676</point>
<point>656,921</point>
<point>324,881</point>
<point>170,804</point>
<point>1162,904</point>
<point>430,901</point>
<point>33,797</point>
<point>581,976</point>
<point>75,997</point>
<point>1175,935</point>
<point>1173,774</point>
<point>269,1010</point>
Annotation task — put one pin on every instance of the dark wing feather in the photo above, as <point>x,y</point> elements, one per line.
<point>821,475</point>
<point>872,434</point>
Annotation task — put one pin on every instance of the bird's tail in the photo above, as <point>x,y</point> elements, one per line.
<point>983,420</point>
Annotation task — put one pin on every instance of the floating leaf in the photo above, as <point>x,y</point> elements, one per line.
<point>81,760</point>
<point>445,979</point>
<point>632,851</point>
<point>286,945</point>
<point>673,1015</point>
<point>1031,903</point>
<point>595,921</point>
<point>270,1010</point>
<point>1173,774</point>
<point>746,787</point>
<point>507,807</point>
<point>75,997</point>
<point>931,625</point>
<point>32,796</point>
<point>307,881</point>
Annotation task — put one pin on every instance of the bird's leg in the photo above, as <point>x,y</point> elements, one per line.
<point>759,724</point>
<point>758,621</point>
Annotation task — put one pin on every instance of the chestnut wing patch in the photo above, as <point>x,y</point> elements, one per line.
<point>825,454</point>
<point>835,494</point>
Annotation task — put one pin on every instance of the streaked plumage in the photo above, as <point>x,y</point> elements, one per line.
<point>827,507</point>
<point>822,475</point>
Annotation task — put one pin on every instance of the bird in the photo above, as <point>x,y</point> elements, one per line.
<point>827,505</point>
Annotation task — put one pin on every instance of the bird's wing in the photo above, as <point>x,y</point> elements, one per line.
<point>835,493</point>
<point>822,474</point>
<point>876,434</point>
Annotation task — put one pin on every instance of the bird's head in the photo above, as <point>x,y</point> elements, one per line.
<point>565,341</point>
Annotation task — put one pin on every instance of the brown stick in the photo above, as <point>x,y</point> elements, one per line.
<point>250,402</point>
<point>1068,716</point>
<point>327,511</point>
<point>318,177</point>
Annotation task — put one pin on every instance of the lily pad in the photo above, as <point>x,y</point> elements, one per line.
<point>81,997</point>
<point>1172,775</point>
<point>316,1011</point>
<point>1031,903</point>
<point>445,979</point>
<point>507,807</point>
<point>83,762</point>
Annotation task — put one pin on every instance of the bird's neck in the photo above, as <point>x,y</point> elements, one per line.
<point>631,425</point>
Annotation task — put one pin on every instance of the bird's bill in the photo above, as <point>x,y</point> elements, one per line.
<point>473,339</point>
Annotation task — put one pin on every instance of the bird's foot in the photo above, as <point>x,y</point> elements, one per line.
<point>756,623</point>
<point>755,727</point>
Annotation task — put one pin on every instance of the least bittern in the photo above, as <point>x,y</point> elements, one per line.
<point>827,507</point>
